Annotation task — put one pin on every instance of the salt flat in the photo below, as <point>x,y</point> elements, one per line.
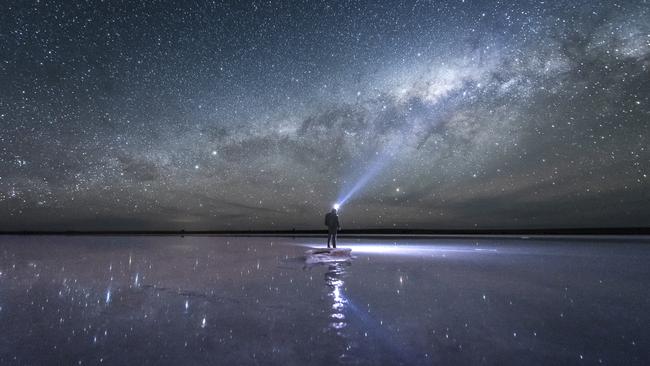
<point>236,300</point>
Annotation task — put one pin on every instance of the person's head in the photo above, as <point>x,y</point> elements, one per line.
<point>333,211</point>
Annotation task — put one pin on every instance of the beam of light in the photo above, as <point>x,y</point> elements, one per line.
<point>414,250</point>
<point>403,250</point>
<point>422,111</point>
<point>342,304</point>
<point>373,170</point>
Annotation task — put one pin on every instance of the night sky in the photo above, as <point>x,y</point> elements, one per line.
<point>125,115</point>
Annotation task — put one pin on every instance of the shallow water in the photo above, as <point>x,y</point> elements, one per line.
<point>217,300</point>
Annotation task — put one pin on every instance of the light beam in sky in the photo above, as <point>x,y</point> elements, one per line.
<point>373,170</point>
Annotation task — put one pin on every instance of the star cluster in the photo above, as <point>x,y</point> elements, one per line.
<point>212,115</point>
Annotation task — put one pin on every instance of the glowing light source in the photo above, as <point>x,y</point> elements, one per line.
<point>336,206</point>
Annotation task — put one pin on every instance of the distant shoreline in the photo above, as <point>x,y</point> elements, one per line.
<point>360,233</point>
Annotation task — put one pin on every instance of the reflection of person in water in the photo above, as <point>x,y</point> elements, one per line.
<point>332,223</point>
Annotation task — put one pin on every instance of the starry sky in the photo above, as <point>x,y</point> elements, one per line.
<point>199,115</point>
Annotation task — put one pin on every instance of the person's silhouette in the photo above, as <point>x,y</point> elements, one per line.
<point>332,223</point>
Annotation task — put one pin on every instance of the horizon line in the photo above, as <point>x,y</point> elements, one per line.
<point>353,232</point>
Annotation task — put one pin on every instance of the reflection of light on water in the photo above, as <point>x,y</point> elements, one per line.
<point>108,295</point>
<point>336,294</point>
<point>341,309</point>
<point>414,250</point>
<point>335,284</point>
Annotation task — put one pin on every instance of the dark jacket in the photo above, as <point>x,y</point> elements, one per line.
<point>332,221</point>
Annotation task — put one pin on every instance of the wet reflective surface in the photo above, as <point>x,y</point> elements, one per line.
<point>216,300</point>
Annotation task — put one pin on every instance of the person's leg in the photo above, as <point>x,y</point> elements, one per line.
<point>334,240</point>
<point>329,237</point>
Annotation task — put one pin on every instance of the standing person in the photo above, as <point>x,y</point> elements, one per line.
<point>332,223</point>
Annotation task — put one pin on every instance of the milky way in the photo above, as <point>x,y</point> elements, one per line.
<point>193,115</point>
